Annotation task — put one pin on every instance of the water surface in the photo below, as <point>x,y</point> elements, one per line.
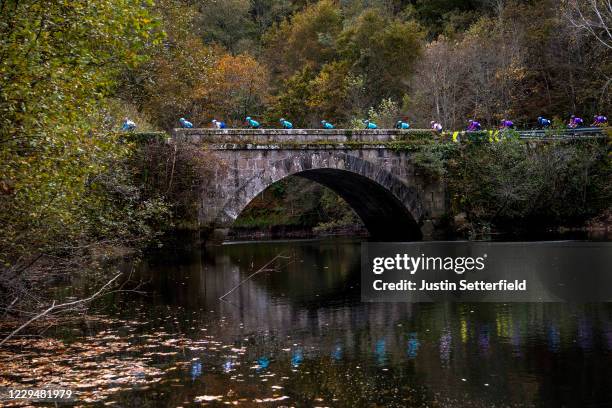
<point>298,335</point>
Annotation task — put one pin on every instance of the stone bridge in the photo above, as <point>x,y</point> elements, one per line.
<point>373,170</point>
<point>365,167</point>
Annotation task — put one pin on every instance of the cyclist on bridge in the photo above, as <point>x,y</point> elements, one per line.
<point>128,125</point>
<point>436,126</point>
<point>600,121</point>
<point>543,122</point>
<point>402,125</point>
<point>219,124</point>
<point>575,122</point>
<point>473,126</point>
<point>370,125</point>
<point>326,125</point>
<point>286,124</point>
<point>185,123</point>
<point>253,123</point>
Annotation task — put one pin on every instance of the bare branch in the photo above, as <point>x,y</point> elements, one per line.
<point>262,269</point>
<point>62,306</point>
<point>594,17</point>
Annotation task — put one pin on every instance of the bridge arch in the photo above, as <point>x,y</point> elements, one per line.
<point>389,208</point>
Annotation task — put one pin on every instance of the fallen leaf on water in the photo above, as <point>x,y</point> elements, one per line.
<point>202,398</point>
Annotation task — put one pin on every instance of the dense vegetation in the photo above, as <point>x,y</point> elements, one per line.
<point>65,181</point>
<point>446,60</point>
<point>72,186</point>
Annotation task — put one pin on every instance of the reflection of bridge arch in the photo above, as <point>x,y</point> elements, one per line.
<point>388,207</point>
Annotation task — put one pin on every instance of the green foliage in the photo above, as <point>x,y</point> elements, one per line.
<point>292,101</point>
<point>386,115</point>
<point>172,173</point>
<point>433,159</point>
<point>237,88</point>
<point>355,66</point>
<point>58,155</point>
<point>438,15</point>
<point>513,182</point>
<point>140,138</point>
<point>335,214</point>
<point>331,91</point>
<point>177,81</point>
<point>383,50</point>
<point>307,39</point>
<point>227,23</point>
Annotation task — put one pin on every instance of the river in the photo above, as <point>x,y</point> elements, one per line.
<point>297,334</point>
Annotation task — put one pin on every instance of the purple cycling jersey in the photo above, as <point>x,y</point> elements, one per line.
<point>474,126</point>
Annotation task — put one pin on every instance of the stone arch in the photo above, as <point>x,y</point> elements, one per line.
<point>390,209</point>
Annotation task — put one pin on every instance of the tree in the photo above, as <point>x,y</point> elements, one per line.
<point>353,8</point>
<point>384,51</point>
<point>386,114</point>
<point>438,86</point>
<point>58,61</point>
<point>176,80</point>
<point>435,15</point>
<point>292,101</point>
<point>165,87</point>
<point>515,183</point>
<point>227,23</point>
<point>330,93</point>
<point>494,77</point>
<point>479,76</point>
<point>593,16</point>
<point>307,39</point>
<point>268,12</point>
<point>238,87</point>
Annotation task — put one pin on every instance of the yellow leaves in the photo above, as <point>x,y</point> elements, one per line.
<point>237,85</point>
<point>51,106</point>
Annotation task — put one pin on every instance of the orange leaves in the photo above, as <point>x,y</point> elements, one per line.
<point>239,84</point>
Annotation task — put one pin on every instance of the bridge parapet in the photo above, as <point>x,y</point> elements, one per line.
<point>382,138</point>
<point>285,136</point>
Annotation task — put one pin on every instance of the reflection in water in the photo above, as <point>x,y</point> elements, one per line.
<point>297,357</point>
<point>445,346</point>
<point>337,352</point>
<point>413,345</point>
<point>263,363</point>
<point>196,369</point>
<point>554,339</point>
<point>608,335</point>
<point>483,339</point>
<point>381,352</point>
<point>299,332</point>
